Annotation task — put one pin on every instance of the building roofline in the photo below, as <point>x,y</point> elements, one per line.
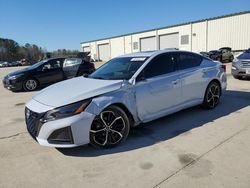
<point>166,27</point>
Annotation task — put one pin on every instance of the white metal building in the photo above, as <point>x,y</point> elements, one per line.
<point>203,35</point>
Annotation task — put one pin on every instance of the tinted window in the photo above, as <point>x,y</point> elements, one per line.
<point>161,64</point>
<point>188,60</point>
<point>53,64</point>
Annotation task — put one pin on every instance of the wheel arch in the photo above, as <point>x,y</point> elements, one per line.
<point>126,110</point>
<point>31,77</point>
<point>218,82</point>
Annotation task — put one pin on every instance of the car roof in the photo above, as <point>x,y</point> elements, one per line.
<point>53,58</point>
<point>150,53</point>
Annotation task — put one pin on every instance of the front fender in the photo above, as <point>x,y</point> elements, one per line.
<point>126,97</point>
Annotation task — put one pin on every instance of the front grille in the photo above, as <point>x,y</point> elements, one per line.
<point>33,122</point>
<point>245,64</point>
<point>5,82</point>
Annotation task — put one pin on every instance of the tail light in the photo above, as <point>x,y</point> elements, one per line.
<point>224,67</point>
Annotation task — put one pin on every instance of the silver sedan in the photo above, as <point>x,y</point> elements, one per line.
<point>124,92</point>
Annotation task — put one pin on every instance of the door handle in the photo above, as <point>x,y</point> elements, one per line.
<point>175,82</point>
<point>204,70</point>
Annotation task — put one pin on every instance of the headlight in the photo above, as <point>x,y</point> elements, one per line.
<point>15,77</point>
<point>236,62</point>
<point>65,111</point>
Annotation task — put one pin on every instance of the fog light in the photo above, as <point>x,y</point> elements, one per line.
<point>61,136</point>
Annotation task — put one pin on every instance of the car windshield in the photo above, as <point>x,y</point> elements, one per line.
<point>38,64</point>
<point>122,68</point>
<point>245,55</point>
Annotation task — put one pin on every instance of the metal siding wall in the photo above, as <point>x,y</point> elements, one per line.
<point>199,37</point>
<point>137,37</point>
<point>169,41</point>
<point>86,49</point>
<point>128,44</point>
<point>147,44</point>
<point>104,52</point>
<point>93,50</point>
<point>182,30</point>
<point>231,31</point>
<point>117,46</point>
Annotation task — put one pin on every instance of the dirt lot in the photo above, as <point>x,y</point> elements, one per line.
<point>192,148</point>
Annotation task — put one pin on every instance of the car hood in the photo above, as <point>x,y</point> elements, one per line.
<point>244,56</point>
<point>74,90</point>
<point>22,71</point>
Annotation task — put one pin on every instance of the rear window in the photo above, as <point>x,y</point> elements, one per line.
<point>188,60</point>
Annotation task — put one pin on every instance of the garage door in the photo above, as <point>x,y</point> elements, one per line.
<point>86,49</point>
<point>104,52</point>
<point>148,43</point>
<point>169,41</point>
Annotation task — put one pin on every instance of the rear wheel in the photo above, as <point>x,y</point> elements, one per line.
<point>30,84</point>
<point>110,128</point>
<point>212,95</point>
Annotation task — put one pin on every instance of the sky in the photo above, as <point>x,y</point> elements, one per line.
<point>58,24</point>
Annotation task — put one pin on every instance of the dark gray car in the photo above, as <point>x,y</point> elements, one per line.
<point>241,65</point>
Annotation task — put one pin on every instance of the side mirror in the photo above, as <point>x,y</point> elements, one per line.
<point>45,68</point>
<point>141,77</point>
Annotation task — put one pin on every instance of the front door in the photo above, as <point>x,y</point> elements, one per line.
<point>50,72</point>
<point>158,88</point>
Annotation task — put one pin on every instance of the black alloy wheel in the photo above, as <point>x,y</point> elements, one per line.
<point>212,95</point>
<point>110,128</point>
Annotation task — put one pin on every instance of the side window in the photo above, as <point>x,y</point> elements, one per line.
<point>161,64</point>
<point>188,60</point>
<point>72,62</point>
<point>53,64</point>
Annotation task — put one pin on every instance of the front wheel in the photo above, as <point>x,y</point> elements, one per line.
<point>30,84</point>
<point>110,128</point>
<point>212,95</point>
<point>238,77</point>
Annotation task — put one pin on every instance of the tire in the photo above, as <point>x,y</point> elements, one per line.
<point>30,84</point>
<point>212,96</point>
<point>110,128</point>
<point>237,77</point>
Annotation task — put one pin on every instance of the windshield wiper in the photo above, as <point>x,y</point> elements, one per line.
<point>101,78</point>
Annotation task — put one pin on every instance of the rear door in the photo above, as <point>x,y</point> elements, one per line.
<point>192,76</point>
<point>71,67</point>
<point>157,88</point>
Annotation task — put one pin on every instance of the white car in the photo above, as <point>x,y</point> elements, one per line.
<point>121,94</point>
